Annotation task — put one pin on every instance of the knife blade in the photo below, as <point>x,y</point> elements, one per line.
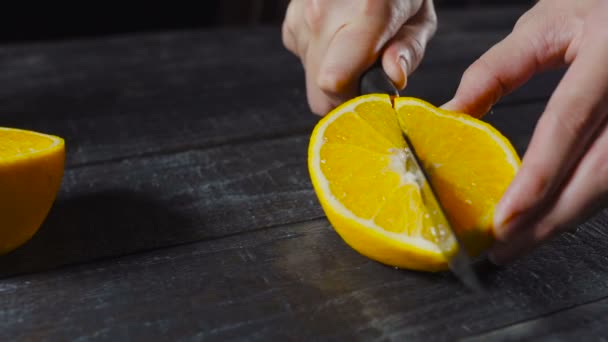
<point>375,80</point>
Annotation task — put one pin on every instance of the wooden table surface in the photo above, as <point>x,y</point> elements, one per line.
<point>186,210</point>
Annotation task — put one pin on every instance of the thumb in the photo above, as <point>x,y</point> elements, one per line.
<point>404,52</point>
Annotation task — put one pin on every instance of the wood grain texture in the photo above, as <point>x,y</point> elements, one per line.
<point>583,322</point>
<point>489,18</point>
<point>294,282</point>
<point>135,96</point>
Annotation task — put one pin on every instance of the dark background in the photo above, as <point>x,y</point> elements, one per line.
<point>27,22</point>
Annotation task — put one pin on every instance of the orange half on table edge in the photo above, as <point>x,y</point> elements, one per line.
<point>31,170</point>
<point>357,163</point>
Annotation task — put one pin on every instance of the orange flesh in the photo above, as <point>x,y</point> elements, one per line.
<point>16,143</point>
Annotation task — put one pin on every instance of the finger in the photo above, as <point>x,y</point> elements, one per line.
<point>584,194</point>
<point>521,244</point>
<point>319,21</point>
<point>294,32</point>
<point>357,45</point>
<point>320,102</point>
<point>289,40</point>
<point>404,52</point>
<point>503,68</point>
<point>305,24</point>
<point>344,62</point>
<point>574,114</point>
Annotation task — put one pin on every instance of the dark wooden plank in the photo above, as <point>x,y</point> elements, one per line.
<point>294,282</point>
<point>124,207</point>
<point>585,322</point>
<point>135,96</point>
<point>131,96</point>
<point>479,19</point>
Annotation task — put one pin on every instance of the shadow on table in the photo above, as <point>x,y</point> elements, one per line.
<point>94,226</point>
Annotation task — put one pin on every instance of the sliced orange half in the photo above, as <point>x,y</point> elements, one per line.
<point>31,169</point>
<point>357,163</point>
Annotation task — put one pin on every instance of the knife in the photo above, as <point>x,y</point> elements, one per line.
<point>375,80</point>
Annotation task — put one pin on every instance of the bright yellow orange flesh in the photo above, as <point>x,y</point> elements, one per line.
<point>357,163</point>
<point>470,164</point>
<point>31,169</point>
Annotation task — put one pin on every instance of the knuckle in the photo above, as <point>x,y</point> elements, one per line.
<point>431,13</point>
<point>470,73</point>
<point>313,13</point>
<point>431,25</point>
<point>499,83</point>
<point>287,38</point>
<point>530,17</point>
<point>290,14</point>
<point>330,81</point>
<point>482,70</point>
<point>538,181</point>
<point>562,121</point>
<point>521,21</point>
<point>288,28</point>
<point>429,16</point>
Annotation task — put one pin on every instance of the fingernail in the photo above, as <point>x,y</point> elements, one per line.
<point>504,212</point>
<point>404,69</point>
<point>404,64</point>
<point>507,217</point>
<point>510,224</point>
<point>501,217</point>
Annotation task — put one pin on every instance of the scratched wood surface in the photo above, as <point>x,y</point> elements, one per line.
<point>186,210</point>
